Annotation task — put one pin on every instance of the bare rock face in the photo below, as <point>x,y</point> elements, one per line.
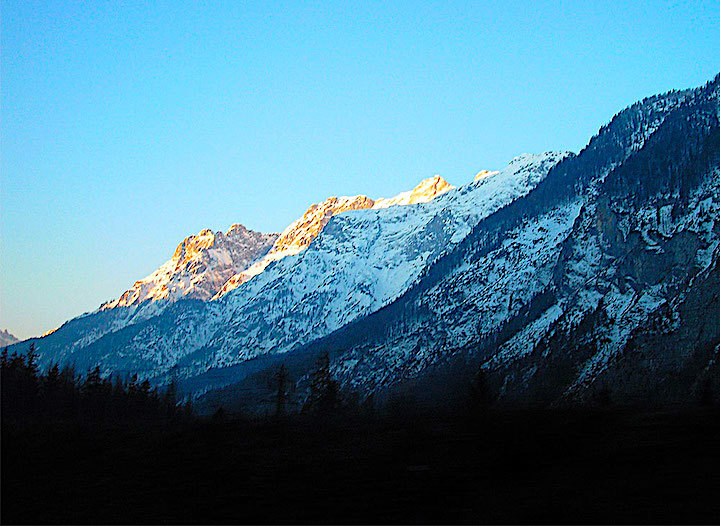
<point>199,267</point>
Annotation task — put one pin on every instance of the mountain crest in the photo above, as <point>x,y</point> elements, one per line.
<point>191,246</point>
<point>301,232</point>
<point>426,191</point>
<point>199,267</point>
<point>298,236</point>
<point>484,174</point>
<point>6,338</point>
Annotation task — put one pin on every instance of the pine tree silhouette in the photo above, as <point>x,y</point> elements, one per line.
<point>324,390</point>
<point>58,394</point>
<point>281,378</point>
<point>479,392</point>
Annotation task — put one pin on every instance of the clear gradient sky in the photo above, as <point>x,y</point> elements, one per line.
<point>127,126</point>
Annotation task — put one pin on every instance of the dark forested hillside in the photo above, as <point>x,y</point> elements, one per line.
<point>403,467</point>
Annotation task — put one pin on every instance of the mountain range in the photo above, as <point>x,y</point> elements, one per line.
<point>561,276</point>
<point>6,338</point>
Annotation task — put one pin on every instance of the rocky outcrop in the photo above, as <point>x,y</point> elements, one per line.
<point>199,267</point>
<point>6,338</point>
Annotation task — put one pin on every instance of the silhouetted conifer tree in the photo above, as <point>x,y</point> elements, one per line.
<point>604,397</point>
<point>281,378</point>
<point>706,393</point>
<point>169,399</point>
<point>480,397</point>
<point>219,415</point>
<point>368,405</point>
<point>324,390</point>
<point>61,394</point>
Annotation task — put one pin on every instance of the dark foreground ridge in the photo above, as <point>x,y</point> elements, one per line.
<point>405,466</point>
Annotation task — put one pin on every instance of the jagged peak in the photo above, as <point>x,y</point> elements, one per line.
<point>199,267</point>
<point>300,233</point>
<point>237,228</point>
<point>192,244</point>
<point>7,338</point>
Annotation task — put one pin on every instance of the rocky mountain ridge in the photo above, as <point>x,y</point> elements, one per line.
<point>558,276</point>
<point>198,269</point>
<point>558,296</point>
<point>360,260</point>
<point>6,338</point>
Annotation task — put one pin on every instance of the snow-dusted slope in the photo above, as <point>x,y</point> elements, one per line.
<point>546,272</point>
<point>299,234</point>
<point>554,292</point>
<point>360,261</point>
<point>206,267</point>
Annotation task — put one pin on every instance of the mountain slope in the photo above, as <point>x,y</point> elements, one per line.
<point>559,275</point>
<point>555,292</point>
<point>298,236</point>
<point>360,260</point>
<point>206,267</point>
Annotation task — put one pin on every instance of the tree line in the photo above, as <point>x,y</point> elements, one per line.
<point>325,396</point>
<point>61,394</point>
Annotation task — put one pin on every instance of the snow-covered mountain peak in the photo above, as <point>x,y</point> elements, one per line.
<point>199,267</point>
<point>298,236</point>
<point>301,232</point>
<point>359,262</point>
<point>349,259</point>
<point>559,274</point>
<point>6,338</point>
<point>210,264</point>
<point>483,174</point>
<point>426,191</point>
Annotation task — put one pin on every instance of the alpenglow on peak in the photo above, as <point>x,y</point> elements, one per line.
<point>210,264</point>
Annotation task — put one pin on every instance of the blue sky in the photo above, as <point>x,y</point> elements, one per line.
<point>126,128</point>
